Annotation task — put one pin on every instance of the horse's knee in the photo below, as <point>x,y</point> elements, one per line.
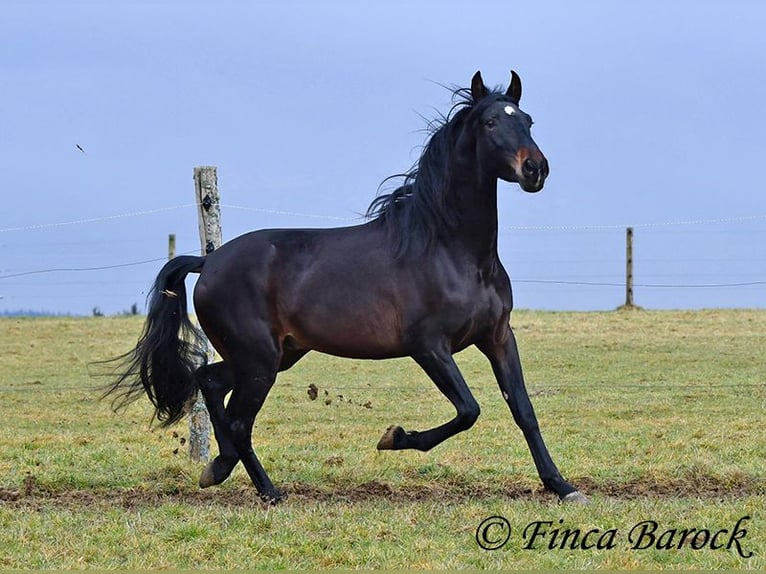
<point>522,411</point>
<point>468,416</point>
<point>526,421</point>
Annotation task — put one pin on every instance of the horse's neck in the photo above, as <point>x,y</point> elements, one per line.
<point>476,202</point>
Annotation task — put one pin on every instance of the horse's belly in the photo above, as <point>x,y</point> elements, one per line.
<point>353,344</point>
<point>340,332</point>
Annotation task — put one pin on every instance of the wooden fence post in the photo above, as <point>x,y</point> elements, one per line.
<point>171,246</point>
<point>209,210</point>
<point>629,268</point>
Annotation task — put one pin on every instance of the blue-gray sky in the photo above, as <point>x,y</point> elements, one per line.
<point>651,113</point>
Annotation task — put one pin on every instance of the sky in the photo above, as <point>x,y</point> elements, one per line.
<point>650,113</point>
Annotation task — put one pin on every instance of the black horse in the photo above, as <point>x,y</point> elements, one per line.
<point>421,278</point>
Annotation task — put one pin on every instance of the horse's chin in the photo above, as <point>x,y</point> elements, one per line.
<point>532,187</point>
<point>527,185</point>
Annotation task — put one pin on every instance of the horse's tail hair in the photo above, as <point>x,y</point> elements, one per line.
<point>168,352</point>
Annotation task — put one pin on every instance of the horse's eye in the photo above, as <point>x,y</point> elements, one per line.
<point>490,123</point>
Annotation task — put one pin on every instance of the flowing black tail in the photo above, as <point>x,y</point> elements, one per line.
<point>169,351</point>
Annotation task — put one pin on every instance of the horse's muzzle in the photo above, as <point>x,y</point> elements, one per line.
<point>533,174</point>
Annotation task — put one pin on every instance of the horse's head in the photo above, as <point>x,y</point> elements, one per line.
<point>504,145</point>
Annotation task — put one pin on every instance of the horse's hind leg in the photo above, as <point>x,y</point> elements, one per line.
<point>216,381</point>
<point>441,367</point>
<point>252,385</point>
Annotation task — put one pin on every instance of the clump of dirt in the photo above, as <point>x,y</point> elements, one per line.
<point>29,484</point>
<point>9,495</point>
<point>181,441</point>
<point>313,393</point>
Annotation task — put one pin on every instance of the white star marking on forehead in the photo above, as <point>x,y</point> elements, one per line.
<point>509,110</point>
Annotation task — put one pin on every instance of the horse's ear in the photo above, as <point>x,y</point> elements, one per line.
<point>514,89</point>
<point>478,89</point>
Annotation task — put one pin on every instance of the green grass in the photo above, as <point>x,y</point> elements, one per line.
<point>654,415</point>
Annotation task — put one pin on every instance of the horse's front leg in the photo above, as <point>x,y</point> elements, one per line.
<point>441,368</point>
<point>503,354</point>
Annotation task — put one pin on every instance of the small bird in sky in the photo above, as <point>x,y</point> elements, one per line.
<point>80,148</point>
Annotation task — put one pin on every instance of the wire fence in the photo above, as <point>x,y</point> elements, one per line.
<point>571,256</point>
<point>359,218</point>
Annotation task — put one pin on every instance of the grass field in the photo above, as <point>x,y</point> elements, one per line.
<point>657,416</point>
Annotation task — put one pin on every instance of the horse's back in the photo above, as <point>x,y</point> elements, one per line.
<point>332,290</point>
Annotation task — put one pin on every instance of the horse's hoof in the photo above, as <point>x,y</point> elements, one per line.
<point>274,497</point>
<point>207,478</point>
<point>388,439</point>
<point>575,497</point>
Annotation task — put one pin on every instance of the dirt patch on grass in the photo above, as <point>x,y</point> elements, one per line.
<point>30,495</point>
<point>433,491</point>
<point>691,486</point>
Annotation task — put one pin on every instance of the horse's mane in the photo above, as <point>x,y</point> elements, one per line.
<point>415,213</point>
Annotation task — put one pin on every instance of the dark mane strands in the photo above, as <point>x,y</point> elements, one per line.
<point>415,213</point>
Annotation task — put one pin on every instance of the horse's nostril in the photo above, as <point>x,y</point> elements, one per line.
<point>529,167</point>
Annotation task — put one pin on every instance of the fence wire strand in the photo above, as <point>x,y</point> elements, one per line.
<point>359,218</point>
